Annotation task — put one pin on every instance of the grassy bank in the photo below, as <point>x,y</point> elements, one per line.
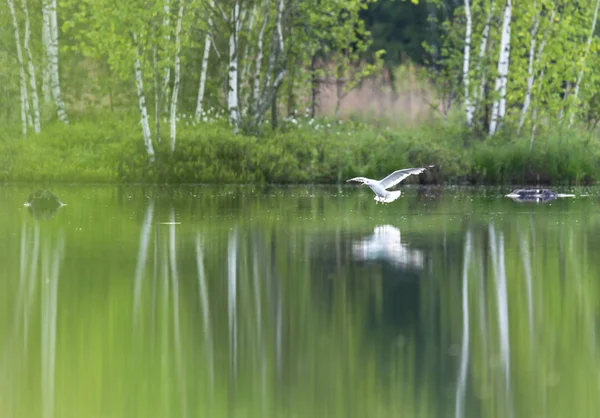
<point>109,148</point>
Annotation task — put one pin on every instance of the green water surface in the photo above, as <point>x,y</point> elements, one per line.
<point>298,302</point>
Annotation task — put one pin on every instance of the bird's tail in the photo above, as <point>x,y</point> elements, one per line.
<point>391,196</point>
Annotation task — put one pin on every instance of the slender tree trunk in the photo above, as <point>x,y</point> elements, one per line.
<point>139,81</point>
<point>177,75</point>
<point>31,69</point>
<point>167,38</point>
<point>204,67</point>
<point>499,106</point>
<point>532,61</point>
<point>157,92</point>
<point>259,58</point>
<point>467,52</point>
<point>587,50</point>
<point>270,88</point>
<point>232,93</point>
<point>314,86</point>
<point>46,83</point>
<point>54,67</point>
<point>22,76</point>
<point>482,48</point>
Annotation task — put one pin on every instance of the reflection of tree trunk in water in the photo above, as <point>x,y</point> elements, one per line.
<point>33,272</point>
<point>232,301</point>
<point>141,261</point>
<point>164,330</point>
<point>49,312</point>
<point>497,251</point>
<point>464,352</point>
<point>526,256</point>
<point>176,319</point>
<point>276,306</point>
<point>204,305</point>
<point>260,346</point>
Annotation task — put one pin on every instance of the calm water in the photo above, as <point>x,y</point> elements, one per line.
<point>298,302</point>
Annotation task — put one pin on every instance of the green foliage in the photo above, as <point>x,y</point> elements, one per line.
<point>105,148</point>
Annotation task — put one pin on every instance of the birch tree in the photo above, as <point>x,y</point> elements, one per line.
<point>120,33</point>
<point>22,77</point>
<point>232,92</point>
<point>587,50</point>
<point>204,65</point>
<point>466,78</point>
<point>177,74</point>
<point>52,56</point>
<point>31,71</point>
<point>46,88</point>
<point>499,106</point>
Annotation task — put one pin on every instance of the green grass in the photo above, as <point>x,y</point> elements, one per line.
<point>108,148</point>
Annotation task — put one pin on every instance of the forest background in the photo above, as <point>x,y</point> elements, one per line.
<point>299,91</point>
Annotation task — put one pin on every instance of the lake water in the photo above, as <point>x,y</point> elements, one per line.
<point>298,302</point>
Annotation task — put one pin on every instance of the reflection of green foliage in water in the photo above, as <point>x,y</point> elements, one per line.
<point>317,333</point>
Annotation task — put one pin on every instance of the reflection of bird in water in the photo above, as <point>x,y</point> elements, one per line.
<point>385,243</point>
<point>535,195</point>
<point>380,187</point>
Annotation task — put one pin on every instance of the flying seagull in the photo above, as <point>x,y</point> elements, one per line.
<point>380,187</point>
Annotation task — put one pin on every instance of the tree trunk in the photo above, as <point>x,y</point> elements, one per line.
<point>177,75</point>
<point>204,67</point>
<point>499,106</point>
<point>232,90</point>
<point>467,52</point>
<point>314,86</point>
<point>139,81</point>
<point>167,40</point>
<point>22,76</point>
<point>46,83</point>
<point>53,60</point>
<point>482,48</point>
<point>580,77</point>
<point>157,92</point>
<point>259,59</point>
<point>532,61</point>
<point>31,70</point>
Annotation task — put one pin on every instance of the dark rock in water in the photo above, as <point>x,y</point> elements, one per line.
<point>43,204</point>
<point>535,195</point>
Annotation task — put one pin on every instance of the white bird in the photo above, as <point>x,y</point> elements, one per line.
<point>380,187</point>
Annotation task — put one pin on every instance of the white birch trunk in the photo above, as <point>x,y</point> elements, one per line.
<point>232,93</point>
<point>167,38</point>
<point>204,67</point>
<point>139,81</point>
<point>468,107</point>
<point>46,43</point>
<point>482,48</point>
<point>177,75</point>
<point>499,106</point>
<point>259,56</point>
<point>53,60</point>
<point>534,58</point>
<point>22,76</point>
<point>587,50</point>
<point>31,71</point>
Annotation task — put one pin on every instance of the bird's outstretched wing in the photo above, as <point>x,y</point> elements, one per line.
<point>357,180</point>
<point>399,175</point>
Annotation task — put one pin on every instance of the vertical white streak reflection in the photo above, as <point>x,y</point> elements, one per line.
<point>526,256</point>
<point>497,250</point>
<point>49,317</point>
<point>203,290</point>
<point>141,259</point>
<point>176,319</point>
<point>464,354</point>
<point>232,297</point>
